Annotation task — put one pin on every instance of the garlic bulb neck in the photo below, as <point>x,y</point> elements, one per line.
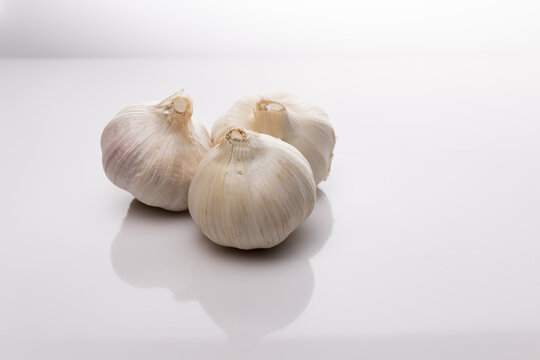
<point>237,136</point>
<point>178,107</point>
<point>182,107</point>
<point>271,117</point>
<point>237,146</point>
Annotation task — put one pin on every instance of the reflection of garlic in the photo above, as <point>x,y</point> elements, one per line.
<point>251,191</point>
<point>303,125</point>
<point>147,253</point>
<point>153,149</point>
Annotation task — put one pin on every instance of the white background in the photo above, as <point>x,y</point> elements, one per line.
<point>250,28</point>
<point>425,240</point>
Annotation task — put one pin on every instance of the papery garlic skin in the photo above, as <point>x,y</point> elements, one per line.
<point>153,149</point>
<point>251,191</point>
<point>282,115</point>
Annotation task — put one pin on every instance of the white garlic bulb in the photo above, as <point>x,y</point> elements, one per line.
<point>251,191</point>
<point>152,150</point>
<point>282,115</point>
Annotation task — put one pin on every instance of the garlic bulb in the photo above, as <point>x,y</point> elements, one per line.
<point>152,150</point>
<point>301,124</point>
<point>251,191</point>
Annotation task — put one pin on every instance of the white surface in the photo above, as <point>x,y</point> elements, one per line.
<point>254,27</point>
<point>424,243</point>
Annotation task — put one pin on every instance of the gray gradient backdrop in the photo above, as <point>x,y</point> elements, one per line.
<point>56,28</point>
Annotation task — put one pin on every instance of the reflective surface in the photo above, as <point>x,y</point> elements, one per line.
<point>424,243</point>
<point>247,294</point>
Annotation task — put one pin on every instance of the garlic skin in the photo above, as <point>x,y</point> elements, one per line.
<point>282,115</point>
<point>251,191</point>
<point>153,149</point>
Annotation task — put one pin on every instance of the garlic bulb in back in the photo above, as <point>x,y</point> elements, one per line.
<point>251,191</point>
<point>301,124</point>
<point>153,149</point>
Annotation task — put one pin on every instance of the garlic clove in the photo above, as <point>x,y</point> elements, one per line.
<point>152,150</point>
<point>301,124</point>
<point>251,191</point>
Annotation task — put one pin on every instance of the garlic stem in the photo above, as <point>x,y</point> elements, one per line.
<point>179,106</point>
<point>236,136</point>
<point>270,117</point>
